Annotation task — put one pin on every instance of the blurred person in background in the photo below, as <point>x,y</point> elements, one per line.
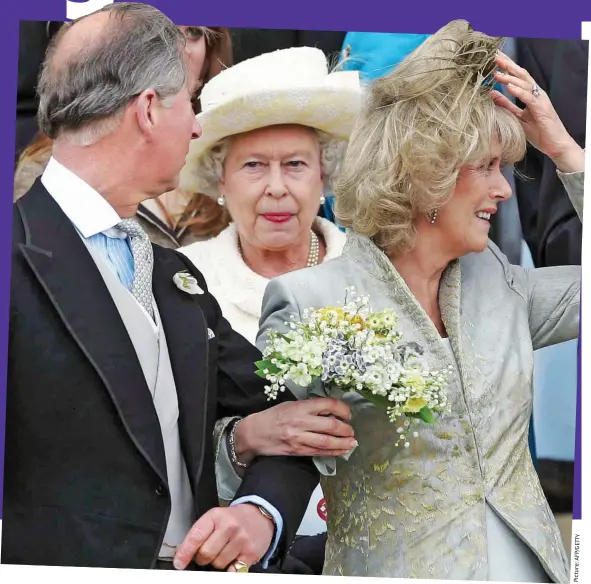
<point>373,54</point>
<point>34,37</point>
<point>252,42</point>
<point>550,225</point>
<point>177,217</point>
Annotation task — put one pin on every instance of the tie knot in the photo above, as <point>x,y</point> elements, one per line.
<point>131,227</point>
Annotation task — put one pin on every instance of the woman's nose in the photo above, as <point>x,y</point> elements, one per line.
<point>276,186</point>
<point>502,190</point>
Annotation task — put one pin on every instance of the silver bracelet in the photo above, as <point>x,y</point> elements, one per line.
<point>232,444</point>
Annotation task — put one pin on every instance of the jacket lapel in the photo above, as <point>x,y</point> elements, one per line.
<point>365,252</point>
<point>450,304</point>
<point>188,346</point>
<point>66,271</point>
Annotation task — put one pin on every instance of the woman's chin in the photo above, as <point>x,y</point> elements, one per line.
<point>475,246</point>
<point>277,244</point>
<point>480,246</point>
<point>277,239</point>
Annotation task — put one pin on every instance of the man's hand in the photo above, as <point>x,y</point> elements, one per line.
<point>225,535</point>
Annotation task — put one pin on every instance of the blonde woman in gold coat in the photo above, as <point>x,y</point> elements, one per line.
<point>420,180</point>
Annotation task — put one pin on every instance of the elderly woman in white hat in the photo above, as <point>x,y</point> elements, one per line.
<point>274,130</point>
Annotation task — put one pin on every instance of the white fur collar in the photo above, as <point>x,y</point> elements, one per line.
<point>221,263</point>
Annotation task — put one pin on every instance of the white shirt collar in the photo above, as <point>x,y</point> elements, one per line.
<point>85,208</point>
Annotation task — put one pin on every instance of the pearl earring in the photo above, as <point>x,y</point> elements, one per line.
<point>322,199</point>
<point>432,217</point>
<point>221,201</point>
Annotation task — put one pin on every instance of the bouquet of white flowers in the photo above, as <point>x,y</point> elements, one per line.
<point>355,349</point>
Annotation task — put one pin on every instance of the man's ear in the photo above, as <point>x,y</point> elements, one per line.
<point>146,109</point>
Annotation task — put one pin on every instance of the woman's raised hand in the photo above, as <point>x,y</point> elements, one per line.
<point>543,128</point>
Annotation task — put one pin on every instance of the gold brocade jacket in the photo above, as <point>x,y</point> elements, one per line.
<point>419,512</point>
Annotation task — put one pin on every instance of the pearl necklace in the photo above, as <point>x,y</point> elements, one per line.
<point>313,256</point>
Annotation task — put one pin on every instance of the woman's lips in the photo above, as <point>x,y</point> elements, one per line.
<point>277,217</point>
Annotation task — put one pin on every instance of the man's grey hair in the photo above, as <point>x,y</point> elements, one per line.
<point>83,97</point>
<point>209,168</point>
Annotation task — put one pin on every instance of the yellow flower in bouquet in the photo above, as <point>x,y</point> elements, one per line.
<point>414,405</point>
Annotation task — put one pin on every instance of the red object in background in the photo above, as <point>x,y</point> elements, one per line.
<point>322,509</point>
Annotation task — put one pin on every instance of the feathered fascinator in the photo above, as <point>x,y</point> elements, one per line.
<point>439,106</point>
<point>456,61</point>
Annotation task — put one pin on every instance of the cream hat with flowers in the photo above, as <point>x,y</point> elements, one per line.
<point>289,86</point>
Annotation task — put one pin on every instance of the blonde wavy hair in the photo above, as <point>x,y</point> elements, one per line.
<point>421,124</point>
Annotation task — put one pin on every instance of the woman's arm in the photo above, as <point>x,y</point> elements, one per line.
<point>574,185</point>
<point>552,294</point>
<point>553,302</point>
<point>293,428</point>
<point>278,307</point>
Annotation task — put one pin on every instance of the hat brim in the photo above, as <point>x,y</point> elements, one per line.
<point>330,110</point>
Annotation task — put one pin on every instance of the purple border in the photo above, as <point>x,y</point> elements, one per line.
<point>9,48</point>
<point>577,486</point>
<point>376,16</point>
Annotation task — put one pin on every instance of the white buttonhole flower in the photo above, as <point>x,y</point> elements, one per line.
<point>187,283</point>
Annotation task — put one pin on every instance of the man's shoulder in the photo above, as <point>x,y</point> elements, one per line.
<point>36,198</point>
<point>171,255</point>
<point>22,211</point>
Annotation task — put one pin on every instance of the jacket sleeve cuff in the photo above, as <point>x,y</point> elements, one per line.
<point>227,479</point>
<point>574,183</point>
<point>277,519</point>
